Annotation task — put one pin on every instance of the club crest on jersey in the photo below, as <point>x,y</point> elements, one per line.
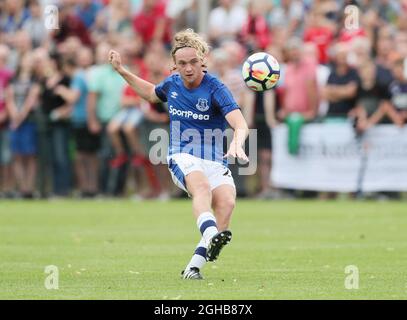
<point>202,105</point>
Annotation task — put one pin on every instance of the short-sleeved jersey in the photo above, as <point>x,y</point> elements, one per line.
<point>342,107</point>
<point>197,116</point>
<point>108,84</point>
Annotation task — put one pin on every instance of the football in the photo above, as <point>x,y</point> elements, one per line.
<point>261,71</point>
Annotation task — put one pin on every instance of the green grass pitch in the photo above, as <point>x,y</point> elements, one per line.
<point>127,250</point>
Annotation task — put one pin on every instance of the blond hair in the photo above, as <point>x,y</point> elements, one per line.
<point>190,39</point>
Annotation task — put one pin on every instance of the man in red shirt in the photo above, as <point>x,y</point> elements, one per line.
<point>255,33</point>
<point>321,34</point>
<point>152,23</point>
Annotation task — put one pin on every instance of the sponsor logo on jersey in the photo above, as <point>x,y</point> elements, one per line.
<point>188,114</point>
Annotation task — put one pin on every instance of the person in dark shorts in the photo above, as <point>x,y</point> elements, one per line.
<point>57,111</point>
<point>87,144</point>
<point>264,121</point>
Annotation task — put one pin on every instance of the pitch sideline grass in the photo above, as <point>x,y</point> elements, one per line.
<point>126,250</point>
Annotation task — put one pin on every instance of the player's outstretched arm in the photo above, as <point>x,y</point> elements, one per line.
<point>144,89</point>
<point>238,123</point>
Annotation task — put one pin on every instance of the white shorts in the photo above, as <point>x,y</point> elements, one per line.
<point>182,164</point>
<point>132,116</point>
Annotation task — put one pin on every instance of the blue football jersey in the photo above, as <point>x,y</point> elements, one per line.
<point>197,116</point>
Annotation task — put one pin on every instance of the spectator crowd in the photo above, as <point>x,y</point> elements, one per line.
<point>71,126</point>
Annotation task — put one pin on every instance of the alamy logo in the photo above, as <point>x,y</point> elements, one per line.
<point>202,105</point>
<point>174,95</point>
<point>188,114</point>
